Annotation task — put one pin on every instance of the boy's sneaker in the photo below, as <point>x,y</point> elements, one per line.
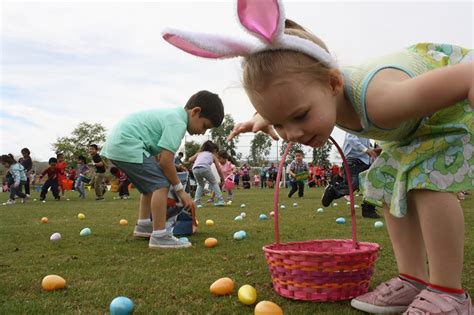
<point>10,202</point>
<point>329,195</point>
<point>393,296</point>
<point>434,303</point>
<point>167,241</point>
<point>220,203</point>
<point>142,230</point>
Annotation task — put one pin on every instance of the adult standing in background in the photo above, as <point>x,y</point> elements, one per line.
<point>99,177</point>
<point>27,163</point>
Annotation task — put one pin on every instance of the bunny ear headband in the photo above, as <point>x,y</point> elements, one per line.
<point>263,19</point>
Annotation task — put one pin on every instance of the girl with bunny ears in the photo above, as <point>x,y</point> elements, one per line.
<point>418,101</point>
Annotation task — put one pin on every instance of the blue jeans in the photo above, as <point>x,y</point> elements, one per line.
<point>17,191</point>
<point>79,186</point>
<point>201,173</point>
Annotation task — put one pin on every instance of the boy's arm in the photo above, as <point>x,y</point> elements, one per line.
<point>393,97</point>
<point>169,169</point>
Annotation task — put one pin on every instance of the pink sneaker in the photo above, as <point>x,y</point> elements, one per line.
<point>433,303</point>
<point>393,296</point>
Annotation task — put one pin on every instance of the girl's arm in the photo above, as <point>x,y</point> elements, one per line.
<point>393,97</point>
<point>218,167</point>
<point>193,158</point>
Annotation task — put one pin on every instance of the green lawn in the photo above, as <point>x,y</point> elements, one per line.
<point>111,262</point>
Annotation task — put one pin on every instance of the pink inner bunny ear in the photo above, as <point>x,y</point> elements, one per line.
<point>189,47</point>
<point>261,17</point>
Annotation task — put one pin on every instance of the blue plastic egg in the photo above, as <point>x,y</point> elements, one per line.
<point>85,232</point>
<point>378,224</point>
<point>263,217</point>
<point>184,239</point>
<point>340,220</point>
<point>121,305</point>
<point>238,218</point>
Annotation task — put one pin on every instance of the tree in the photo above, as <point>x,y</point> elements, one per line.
<point>260,149</point>
<point>321,154</point>
<point>291,153</point>
<point>78,142</point>
<point>219,136</point>
<point>190,148</point>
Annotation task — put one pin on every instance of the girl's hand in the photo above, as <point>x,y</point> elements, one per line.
<point>255,124</point>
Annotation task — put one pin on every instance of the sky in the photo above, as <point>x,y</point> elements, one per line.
<point>63,63</point>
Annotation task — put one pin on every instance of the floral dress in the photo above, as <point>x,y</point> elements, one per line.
<point>435,152</point>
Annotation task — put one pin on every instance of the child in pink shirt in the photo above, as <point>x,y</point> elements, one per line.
<point>228,171</point>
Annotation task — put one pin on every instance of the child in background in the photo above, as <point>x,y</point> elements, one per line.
<point>227,169</point>
<point>27,163</point>
<point>123,182</point>
<point>18,177</point>
<point>298,172</point>
<point>143,146</point>
<point>202,170</point>
<point>52,181</point>
<point>237,178</point>
<point>61,171</point>
<point>256,180</point>
<point>99,177</point>
<point>82,179</point>
<point>420,102</point>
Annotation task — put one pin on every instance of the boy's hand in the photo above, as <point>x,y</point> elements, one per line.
<point>255,124</point>
<point>186,199</point>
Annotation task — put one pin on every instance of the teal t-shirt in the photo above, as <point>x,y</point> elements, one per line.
<point>146,133</point>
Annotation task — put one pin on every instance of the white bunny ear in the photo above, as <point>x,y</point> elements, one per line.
<point>207,45</point>
<point>263,18</point>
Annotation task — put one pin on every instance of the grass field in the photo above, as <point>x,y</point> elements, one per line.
<point>112,263</point>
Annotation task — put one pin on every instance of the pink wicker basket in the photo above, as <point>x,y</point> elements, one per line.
<point>320,270</point>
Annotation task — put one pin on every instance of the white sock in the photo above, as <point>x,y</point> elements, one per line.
<point>144,222</point>
<point>158,233</point>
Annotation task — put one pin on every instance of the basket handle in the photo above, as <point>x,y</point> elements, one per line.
<point>349,182</point>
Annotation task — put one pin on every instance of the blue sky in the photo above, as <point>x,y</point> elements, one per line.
<point>63,63</point>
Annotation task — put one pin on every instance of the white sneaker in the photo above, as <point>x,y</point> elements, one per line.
<point>10,202</point>
<point>167,241</point>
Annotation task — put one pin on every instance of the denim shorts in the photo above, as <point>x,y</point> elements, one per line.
<point>147,176</point>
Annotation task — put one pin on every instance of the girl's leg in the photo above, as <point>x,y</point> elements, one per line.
<point>19,189</point>
<point>213,185</point>
<point>200,186</point>
<point>230,195</point>
<point>407,241</point>
<point>27,185</point>
<point>442,226</point>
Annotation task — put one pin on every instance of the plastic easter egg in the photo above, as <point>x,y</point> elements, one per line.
<point>81,216</point>
<point>243,214</point>
<point>378,224</point>
<point>242,205</point>
<point>209,222</point>
<point>85,232</point>
<point>44,220</point>
<point>263,217</point>
<point>44,201</point>
<point>210,242</point>
<point>356,206</point>
<point>282,207</point>
<point>238,218</point>
<point>340,220</point>
<point>348,203</point>
<point>123,222</point>
<point>222,286</point>
<point>197,222</point>
<point>55,237</point>
<point>35,199</point>
<point>184,239</point>
<point>240,235</point>
<point>334,204</point>
<point>121,305</point>
<point>247,294</point>
<point>267,308</point>
<point>53,282</point>
<point>320,210</point>
<point>295,204</point>
<point>272,213</point>
<point>67,199</point>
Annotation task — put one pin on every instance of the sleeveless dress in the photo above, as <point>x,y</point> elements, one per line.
<point>434,153</point>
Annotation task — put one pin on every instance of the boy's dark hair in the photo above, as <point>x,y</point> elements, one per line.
<point>82,158</point>
<point>181,154</point>
<point>223,154</point>
<point>59,153</point>
<point>300,152</point>
<point>25,151</point>
<point>7,158</point>
<point>209,146</point>
<point>114,170</point>
<point>94,146</point>
<point>52,160</point>
<point>210,104</point>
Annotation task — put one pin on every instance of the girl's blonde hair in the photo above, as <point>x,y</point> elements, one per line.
<point>264,68</point>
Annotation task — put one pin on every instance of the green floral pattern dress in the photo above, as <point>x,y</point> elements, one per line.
<point>434,153</point>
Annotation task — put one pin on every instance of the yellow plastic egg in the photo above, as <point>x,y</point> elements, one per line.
<point>267,308</point>
<point>222,286</point>
<point>123,222</point>
<point>81,216</point>
<point>209,222</point>
<point>247,294</point>
<point>210,242</point>
<point>53,282</point>
<point>44,220</point>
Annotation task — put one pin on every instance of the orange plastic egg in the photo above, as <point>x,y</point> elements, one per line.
<point>267,308</point>
<point>44,220</point>
<point>222,286</point>
<point>53,282</point>
<point>210,242</point>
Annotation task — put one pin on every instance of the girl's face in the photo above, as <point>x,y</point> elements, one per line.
<point>299,111</point>
<point>5,165</point>
<point>222,160</point>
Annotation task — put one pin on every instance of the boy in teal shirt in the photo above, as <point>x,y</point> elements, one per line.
<point>143,145</point>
